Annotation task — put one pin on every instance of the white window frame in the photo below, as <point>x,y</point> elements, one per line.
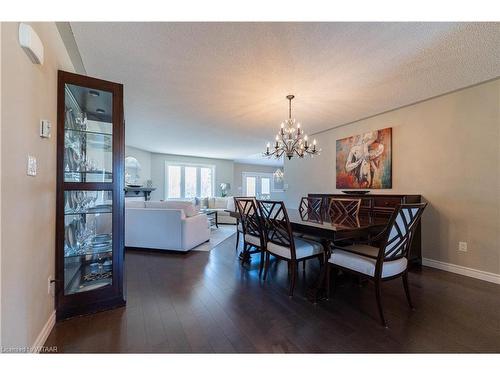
<point>258,184</point>
<point>183,174</point>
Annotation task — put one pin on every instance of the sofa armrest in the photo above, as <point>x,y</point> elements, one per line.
<point>195,231</point>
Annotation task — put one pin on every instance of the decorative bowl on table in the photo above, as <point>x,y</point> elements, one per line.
<point>356,192</point>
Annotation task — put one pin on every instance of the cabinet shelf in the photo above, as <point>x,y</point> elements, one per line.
<point>88,212</point>
<point>88,132</point>
<point>83,279</point>
<point>90,172</point>
<point>91,252</point>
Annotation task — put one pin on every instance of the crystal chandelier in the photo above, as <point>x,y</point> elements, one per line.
<point>291,139</point>
<point>278,174</point>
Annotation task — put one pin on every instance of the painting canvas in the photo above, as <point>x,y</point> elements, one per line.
<point>364,161</point>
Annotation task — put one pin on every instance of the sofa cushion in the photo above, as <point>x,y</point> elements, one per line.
<point>201,202</point>
<point>220,203</point>
<point>186,206</point>
<point>134,204</point>
<point>155,204</point>
<point>230,204</point>
<point>210,202</point>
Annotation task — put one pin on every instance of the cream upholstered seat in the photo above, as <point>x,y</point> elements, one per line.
<point>254,240</point>
<point>365,265</point>
<point>304,248</point>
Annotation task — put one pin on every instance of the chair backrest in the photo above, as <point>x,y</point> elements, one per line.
<point>340,207</point>
<point>250,217</point>
<point>311,209</point>
<point>400,231</point>
<point>277,225</point>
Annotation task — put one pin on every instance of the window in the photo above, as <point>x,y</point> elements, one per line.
<point>257,185</point>
<point>189,181</point>
<point>250,186</point>
<point>174,181</point>
<point>265,186</point>
<point>206,182</point>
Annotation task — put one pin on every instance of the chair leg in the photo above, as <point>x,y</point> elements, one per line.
<point>245,254</point>
<point>267,265</point>
<point>407,289</point>
<point>261,266</point>
<point>379,302</point>
<point>293,269</point>
<point>321,260</point>
<point>327,281</point>
<point>237,239</point>
<point>304,266</point>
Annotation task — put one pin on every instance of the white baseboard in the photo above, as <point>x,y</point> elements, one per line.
<point>461,270</point>
<point>44,333</point>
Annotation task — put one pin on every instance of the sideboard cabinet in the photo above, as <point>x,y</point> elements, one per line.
<point>90,195</point>
<point>384,205</point>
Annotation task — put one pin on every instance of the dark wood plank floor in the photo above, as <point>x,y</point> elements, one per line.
<point>207,303</point>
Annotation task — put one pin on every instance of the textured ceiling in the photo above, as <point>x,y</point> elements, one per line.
<point>218,89</point>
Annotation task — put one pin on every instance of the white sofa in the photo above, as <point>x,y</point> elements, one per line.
<point>164,225</point>
<point>221,204</point>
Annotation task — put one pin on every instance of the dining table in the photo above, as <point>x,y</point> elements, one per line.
<point>329,230</point>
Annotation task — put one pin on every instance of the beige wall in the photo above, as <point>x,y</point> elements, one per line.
<point>29,93</point>
<point>448,150</point>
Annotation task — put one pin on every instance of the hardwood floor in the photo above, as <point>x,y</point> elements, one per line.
<point>205,302</point>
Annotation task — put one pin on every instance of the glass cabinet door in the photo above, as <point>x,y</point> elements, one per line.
<point>88,157</point>
<point>88,135</point>
<point>88,240</point>
<point>90,212</point>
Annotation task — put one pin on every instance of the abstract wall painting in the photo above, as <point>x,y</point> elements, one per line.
<point>364,161</point>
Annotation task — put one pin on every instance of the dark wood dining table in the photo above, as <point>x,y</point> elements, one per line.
<point>329,230</point>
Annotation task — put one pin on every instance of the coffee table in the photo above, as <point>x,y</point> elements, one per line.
<point>212,216</point>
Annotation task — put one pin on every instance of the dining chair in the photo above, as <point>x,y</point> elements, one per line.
<point>252,229</point>
<point>311,209</point>
<point>387,261</point>
<point>281,243</point>
<point>341,207</point>
<point>239,227</point>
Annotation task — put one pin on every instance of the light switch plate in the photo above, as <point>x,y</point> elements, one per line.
<point>45,128</point>
<point>31,169</point>
<point>462,246</point>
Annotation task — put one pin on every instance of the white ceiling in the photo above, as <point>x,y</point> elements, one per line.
<point>218,89</point>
